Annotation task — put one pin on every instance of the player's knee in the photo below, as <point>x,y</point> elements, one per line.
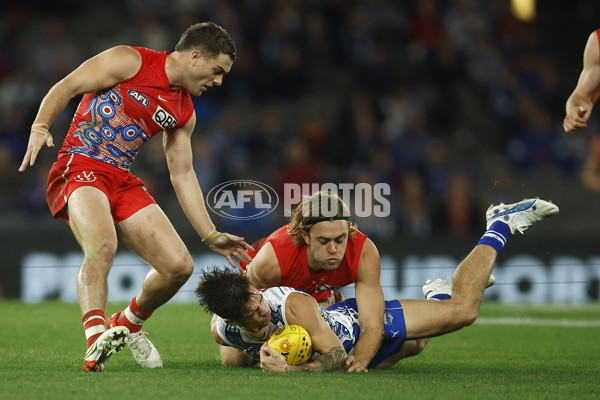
<point>464,312</point>
<point>181,270</point>
<point>419,346</point>
<point>421,343</point>
<point>467,316</point>
<point>102,252</point>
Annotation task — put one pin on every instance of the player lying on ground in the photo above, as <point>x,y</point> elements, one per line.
<point>245,318</point>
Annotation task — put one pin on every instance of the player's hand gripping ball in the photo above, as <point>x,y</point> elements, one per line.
<point>293,343</point>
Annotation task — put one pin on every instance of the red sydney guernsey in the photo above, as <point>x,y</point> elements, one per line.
<point>110,125</point>
<point>294,266</point>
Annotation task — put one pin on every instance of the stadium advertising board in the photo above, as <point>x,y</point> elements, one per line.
<point>522,277</point>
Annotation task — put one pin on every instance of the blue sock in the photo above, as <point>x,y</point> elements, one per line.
<point>496,236</point>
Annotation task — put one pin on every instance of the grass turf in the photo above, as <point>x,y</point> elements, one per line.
<point>42,347</point>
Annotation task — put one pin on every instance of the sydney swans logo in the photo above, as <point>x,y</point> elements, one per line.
<point>242,199</point>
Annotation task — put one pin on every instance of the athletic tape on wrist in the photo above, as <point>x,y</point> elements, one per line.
<point>214,236</point>
<point>45,132</point>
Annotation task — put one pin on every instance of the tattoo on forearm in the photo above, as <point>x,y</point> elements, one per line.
<point>335,359</point>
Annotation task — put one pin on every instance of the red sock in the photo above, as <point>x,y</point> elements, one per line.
<point>133,317</point>
<point>93,323</point>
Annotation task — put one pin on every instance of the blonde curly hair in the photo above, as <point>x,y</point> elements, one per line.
<point>319,207</point>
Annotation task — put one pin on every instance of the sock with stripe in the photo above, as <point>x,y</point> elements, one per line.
<point>93,323</point>
<point>133,317</point>
<point>496,236</point>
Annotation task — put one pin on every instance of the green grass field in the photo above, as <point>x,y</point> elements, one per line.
<point>534,353</point>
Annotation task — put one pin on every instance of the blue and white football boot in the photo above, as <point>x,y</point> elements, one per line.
<point>520,216</point>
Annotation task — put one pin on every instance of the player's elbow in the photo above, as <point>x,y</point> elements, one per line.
<point>235,358</point>
<point>181,174</point>
<point>420,345</point>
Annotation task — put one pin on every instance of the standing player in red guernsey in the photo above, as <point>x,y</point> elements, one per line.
<point>317,253</point>
<point>130,95</point>
<point>580,103</point>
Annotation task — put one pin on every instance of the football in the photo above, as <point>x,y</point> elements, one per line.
<point>293,343</point>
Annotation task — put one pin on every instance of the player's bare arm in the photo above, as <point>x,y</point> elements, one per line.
<point>264,270</point>
<point>586,93</point>
<point>178,151</point>
<point>303,310</point>
<point>230,356</point>
<point>589,173</point>
<point>99,72</point>
<point>369,296</point>
<point>214,332</point>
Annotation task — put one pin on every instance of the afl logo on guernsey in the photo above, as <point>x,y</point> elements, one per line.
<point>139,98</point>
<point>163,118</point>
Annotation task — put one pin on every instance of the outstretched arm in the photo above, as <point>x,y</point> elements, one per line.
<point>102,71</point>
<point>369,297</point>
<point>586,93</point>
<point>178,149</point>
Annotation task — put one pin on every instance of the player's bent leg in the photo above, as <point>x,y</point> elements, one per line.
<point>425,318</point>
<point>473,274</point>
<point>409,348</point>
<point>471,277</point>
<point>150,235</point>
<point>91,221</point>
<point>92,224</point>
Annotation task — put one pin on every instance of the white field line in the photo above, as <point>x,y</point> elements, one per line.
<point>570,323</point>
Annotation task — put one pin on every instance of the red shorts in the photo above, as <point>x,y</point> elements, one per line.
<point>125,192</point>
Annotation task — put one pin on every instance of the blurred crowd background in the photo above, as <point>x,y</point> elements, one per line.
<point>454,103</point>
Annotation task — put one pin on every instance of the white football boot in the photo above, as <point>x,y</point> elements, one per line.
<point>141,347</point>
<point>436,287</point>
<point>520,216</point>
<point>144,351</point>
<point>439,286</point>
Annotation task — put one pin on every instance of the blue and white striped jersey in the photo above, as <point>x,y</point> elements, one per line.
<point>342,318</point>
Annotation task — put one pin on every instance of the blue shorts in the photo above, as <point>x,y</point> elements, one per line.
<point>394,329</point>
